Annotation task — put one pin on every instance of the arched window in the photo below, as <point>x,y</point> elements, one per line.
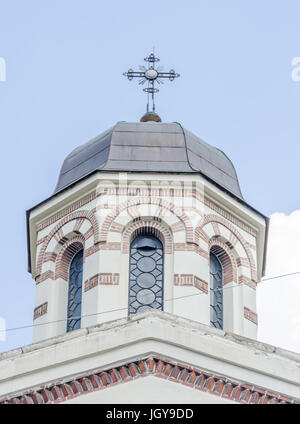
<point>145,274</point>
<point>216,292</point>
<point>75,292</point>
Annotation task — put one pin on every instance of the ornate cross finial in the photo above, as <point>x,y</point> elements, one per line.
<point>151,75</point>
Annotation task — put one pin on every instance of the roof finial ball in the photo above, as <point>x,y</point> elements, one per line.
<point>151,75</point>
<point>150,117</point>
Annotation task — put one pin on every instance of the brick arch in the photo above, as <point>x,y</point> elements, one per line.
<point>223,253</point>
<point>66,254</point>
<point>214,218</point>
<point>108,221</point>
<point>158,229</point>
<point>57,230</point>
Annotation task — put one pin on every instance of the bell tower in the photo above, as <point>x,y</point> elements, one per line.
<point>146,216</point>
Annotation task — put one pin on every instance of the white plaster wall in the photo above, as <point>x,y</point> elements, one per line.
<point>250,329</point>
<point>233,314</point>
<point>190,263</point>
<point>110,304</point>
<point>195,307</point>
<point>109,261</point>
<point>57,307</point>
<point>91,266</point>
<point>249,296</point>
<point>41,292</point>
<point>90,300</point>
<point>39,332</point>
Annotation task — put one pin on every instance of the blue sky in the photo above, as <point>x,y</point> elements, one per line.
<point>64,85</point>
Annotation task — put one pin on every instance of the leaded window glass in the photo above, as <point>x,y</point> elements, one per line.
<point>75,292</point>
<point>216,292</point>
<point>145,274</point>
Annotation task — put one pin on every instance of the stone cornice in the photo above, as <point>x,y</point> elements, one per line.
<point>159,332</point>
<point>194,378</point>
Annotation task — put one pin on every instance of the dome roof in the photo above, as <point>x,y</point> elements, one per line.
<point>149,147</point>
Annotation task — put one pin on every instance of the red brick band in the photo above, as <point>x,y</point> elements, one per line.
<point>65,256</point>
<point>40,310</point>
<point>222,252</point>
<point>132,204</point>
<point>67,210</point>
<point>220,220</point>
<point>195,379</point>
<point>246,280</point>
<point>45,276</point>
<point>190,247</point>
<point>250,315</point>
<point>102,246</point>
<point>242,262</point>
<point>228,216</point>
<point>58,230</point>
<point>191,280</point>
<point>152,227</point>
<point>104,278</point>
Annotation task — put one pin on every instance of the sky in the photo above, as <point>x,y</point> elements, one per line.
<point>238,90</point>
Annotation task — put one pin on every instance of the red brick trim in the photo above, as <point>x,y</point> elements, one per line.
<point>214,218</point>
<point>251,246</point>
<point>88,234</point>
<point>41,240</point>
<point>191,280</point>
<point>105,227</point>
<point>243,262</point>
<point>74,216</point>
<point>78,224</point>
<point>102,246</point>
<point>45,276</point>
<point>50,257</point>
<point>246,280</point>
<point>216,228</point>
<point>227,260</point>
<point>232,242</point>
<point>250,315</point>
<point>117,228</point>
<point>178,226</point>
<point>228,216</point>
<point>67,211</point>
<point>190,247</point>
<point>65,256</point>
<point>148,191</point>
<point>59,235</point>
<point>40,310</point>
<point>194,378</point>
<point>103,278</point>
<point>154,227</point>
<point>201,234</point>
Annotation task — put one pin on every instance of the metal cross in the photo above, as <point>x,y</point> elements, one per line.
<point>151,75</point>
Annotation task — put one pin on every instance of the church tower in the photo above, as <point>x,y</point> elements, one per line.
<point>146,260</point>
<point>146,216</point>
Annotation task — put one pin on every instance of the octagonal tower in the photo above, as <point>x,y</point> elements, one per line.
<point>146,216</point>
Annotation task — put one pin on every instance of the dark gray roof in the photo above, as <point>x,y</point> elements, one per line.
<point>152,147</point>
